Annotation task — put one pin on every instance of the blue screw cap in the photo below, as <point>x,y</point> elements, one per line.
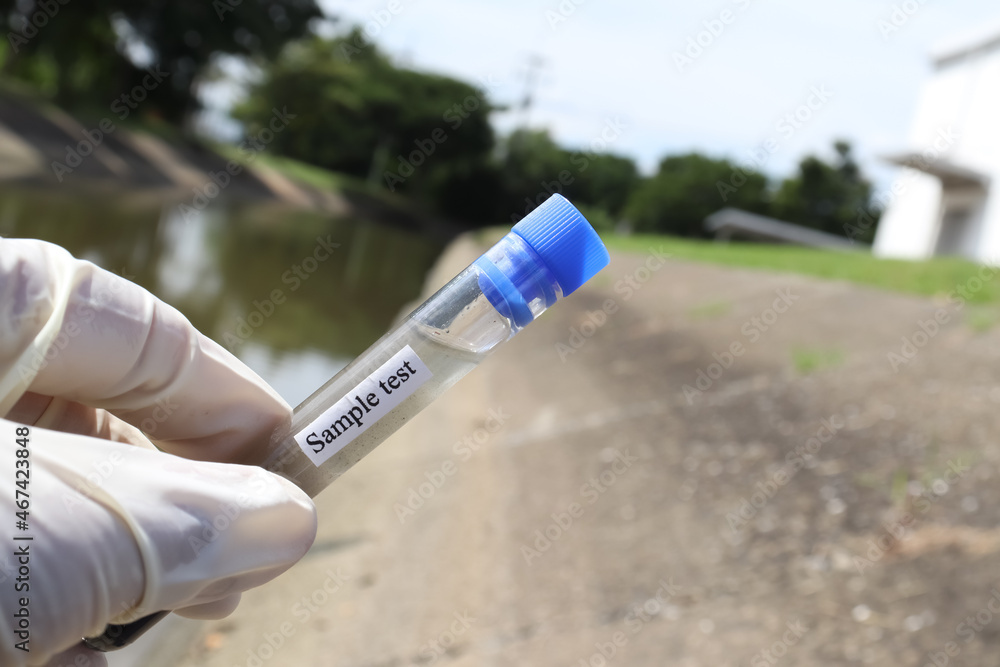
<point>565,241</point>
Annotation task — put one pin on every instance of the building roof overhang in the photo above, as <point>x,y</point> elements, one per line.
<point>977,41</point>
<point>950,174</point>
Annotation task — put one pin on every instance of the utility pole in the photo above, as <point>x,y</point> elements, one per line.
<point>531,78</point>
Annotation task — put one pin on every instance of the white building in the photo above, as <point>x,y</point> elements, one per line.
<point>947,199</point>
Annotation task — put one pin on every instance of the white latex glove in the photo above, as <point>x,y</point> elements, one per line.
<point>99,369</point>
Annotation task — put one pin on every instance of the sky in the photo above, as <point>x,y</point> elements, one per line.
<point>638,65</point>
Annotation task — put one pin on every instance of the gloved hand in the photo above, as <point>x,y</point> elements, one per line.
<point>100,370</point>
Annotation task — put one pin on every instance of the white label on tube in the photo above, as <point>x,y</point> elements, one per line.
<point>369,401</point>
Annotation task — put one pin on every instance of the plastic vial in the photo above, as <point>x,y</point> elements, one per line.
<point>546,256</point>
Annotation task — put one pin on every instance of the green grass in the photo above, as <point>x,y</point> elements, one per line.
<point>320,178</point>
<point>898,487</point>
<point>982,318</point>
<point>307,173</point>
<point>810,360</point>
<point>710,310</point>
<point>938,276</point>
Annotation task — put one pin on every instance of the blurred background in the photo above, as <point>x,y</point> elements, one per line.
<point>765,434</point>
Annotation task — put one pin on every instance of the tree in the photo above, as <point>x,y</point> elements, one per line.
<point>534,167</point>
<point>604,181</point>
<point>687,189</point>
<point>356,112</point>
<point>86,55</point>
<point>827,196</point>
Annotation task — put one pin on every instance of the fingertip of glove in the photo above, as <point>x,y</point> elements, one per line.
<point>211,611</point>
<point>282,512</point>
<point>78,655</point>
<point>245,525</point>
<point>307,520</point>
<point>258,493</point>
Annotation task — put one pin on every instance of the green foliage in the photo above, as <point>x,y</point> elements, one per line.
<point>598,217</point>
<point>534,166</point>
<point>358,114</point>
<point>531,164</point>
<point>687,189</point>
<point>88,54</point>
<point>826,196</point>
<point>604,181</point>
<point>426,135</point>
<point>941,276</point>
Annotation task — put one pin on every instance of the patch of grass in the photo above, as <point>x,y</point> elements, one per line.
<point>982,319</point>
<point>810,360</point>
<point>868,479</point>
<point>898,487</point>
<point>940,276</point>
<point>306,173</point>
<point>386,204</point>
<point>707,311</point>
<point>927,474</point>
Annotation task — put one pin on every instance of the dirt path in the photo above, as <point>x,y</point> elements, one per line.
<point>755,520</point>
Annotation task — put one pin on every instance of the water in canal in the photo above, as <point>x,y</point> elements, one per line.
<point>295,295</point>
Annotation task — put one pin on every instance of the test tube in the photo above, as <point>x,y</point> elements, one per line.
<point>545,257</point>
